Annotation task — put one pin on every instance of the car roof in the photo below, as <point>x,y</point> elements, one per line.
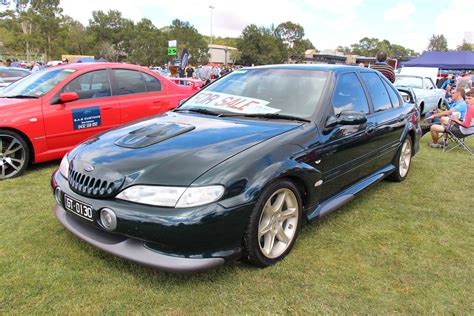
<point>320,67</point>
<point>98,65</point>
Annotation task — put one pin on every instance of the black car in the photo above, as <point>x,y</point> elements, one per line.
<point>237,168</point>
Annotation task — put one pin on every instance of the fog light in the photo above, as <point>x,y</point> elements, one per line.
<point>108,219</point>
<point>57,195</point>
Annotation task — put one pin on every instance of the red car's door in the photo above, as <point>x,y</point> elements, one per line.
<point>67,124</point>
<point>140,94</point>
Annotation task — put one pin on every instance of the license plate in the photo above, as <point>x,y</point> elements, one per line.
<point>77,207</point>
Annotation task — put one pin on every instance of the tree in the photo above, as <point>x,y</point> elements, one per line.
<point>188,37</point>
<point>148,44</point>
<point>438,43</point>
<point>291,35</point>
<point>260,46</point>
<point>465,46</point>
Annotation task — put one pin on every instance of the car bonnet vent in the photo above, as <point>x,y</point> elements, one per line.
<point>95,181</point>
<point>152,134</point>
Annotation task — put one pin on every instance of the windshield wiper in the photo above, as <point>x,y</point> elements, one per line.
<point>20,96</point>
<point>270,116</point>
<point>202,111</point>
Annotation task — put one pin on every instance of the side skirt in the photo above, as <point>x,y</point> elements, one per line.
<point>338,200</point>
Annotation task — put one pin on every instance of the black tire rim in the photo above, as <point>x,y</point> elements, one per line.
<point>12,156</point>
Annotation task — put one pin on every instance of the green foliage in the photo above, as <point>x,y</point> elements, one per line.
<point>399,248</point>
<point>370,46</point>
<point>438,43</point>
<point>188,37</point>
<point>260,46</point>
<point>465,46</point>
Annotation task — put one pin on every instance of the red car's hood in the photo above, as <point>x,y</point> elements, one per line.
<point>6,102</point>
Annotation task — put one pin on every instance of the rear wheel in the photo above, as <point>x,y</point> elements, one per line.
<point>402,161</point>
<point>274,224</point>
<point>14,154</point>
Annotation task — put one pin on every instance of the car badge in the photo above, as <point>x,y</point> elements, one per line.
<point>88,168</point>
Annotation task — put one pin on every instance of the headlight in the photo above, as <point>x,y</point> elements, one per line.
<point>64,167</point>
<point>178,197</point>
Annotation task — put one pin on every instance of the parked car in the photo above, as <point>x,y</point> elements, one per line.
<point>237,169</point>
<point>45,114</point>
<point>8,75</point>
<point>428,96</point>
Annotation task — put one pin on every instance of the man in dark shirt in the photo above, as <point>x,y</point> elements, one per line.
<point>382,66</point>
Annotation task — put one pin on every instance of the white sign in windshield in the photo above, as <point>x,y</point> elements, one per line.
<point>231,103</point>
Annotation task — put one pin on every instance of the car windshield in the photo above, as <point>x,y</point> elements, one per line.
<point>412,82</point>
<point>36,84</point>
<point>284,92</point>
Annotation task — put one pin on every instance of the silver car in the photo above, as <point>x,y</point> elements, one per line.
<point>427,95</point>
<point>8,75</point>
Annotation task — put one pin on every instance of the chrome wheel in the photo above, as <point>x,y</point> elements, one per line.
<point>13,156</point>
<point>405,158</point>
<point>278,223</point>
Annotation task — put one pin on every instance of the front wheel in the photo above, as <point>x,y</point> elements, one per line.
<point>14,154</point>
<point>274,224</point>
<point>402,161</point>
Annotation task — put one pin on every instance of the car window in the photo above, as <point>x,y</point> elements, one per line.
<point>427,83</point>
<point>152,84</point>
<point>94,84</point>
<point>293,92</point>
<point>349,95</point>
<point>38,83</point>
<point>393,95</point>
<point>129,81</point>
<point>409,81</point>
<point>377,91</point>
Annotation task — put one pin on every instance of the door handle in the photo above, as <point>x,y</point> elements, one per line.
<point>370,130</point>
<point>156,102</point>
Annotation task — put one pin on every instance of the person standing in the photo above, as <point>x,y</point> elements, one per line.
<point>382,66</point>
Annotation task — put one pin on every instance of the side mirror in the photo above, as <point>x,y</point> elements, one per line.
<point>68,97</point>
<point>346,118</point>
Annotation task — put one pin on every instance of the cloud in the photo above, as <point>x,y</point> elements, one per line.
<point>454,22</point>
<point>401,11</point>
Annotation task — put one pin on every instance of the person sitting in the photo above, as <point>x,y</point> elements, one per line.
<point>454,123</point>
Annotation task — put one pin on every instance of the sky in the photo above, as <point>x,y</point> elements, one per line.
<point>327,23</point>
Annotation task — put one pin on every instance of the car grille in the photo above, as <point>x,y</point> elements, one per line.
<point>92,186</point>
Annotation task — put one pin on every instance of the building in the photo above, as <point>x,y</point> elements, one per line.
<point>222,55</point>
<point>327,56</point>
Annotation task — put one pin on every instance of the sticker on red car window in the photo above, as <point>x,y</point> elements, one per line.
<point>231,103</point>
<point>86,117</point>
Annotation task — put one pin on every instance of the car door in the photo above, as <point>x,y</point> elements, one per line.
<point>387,119</point>
<point>96,110</point>
<point>140,94</point>
<point>432,94</point>
<point>346,149</point>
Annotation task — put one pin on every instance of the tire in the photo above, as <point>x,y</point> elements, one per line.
<point>402,161</point>
<point>274,224</point>
<point>14,154</point>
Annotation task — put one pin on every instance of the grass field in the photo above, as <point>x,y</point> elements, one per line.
<point>399,248</point>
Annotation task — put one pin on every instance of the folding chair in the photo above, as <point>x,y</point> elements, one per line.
<point>459,139</point>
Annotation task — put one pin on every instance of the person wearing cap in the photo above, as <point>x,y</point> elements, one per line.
<point>382,66</point>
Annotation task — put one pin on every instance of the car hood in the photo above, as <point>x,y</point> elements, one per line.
<point>171,148</point>
<point>10,102</point>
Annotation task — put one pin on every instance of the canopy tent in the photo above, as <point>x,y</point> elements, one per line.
<point>83,60</point>
<point>444,60</point>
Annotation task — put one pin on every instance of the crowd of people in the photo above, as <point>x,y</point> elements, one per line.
<point>456,118</point>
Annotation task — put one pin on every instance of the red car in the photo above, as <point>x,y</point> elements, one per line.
<point>45,114</point>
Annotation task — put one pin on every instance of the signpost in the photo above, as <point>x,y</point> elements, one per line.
<point>172,51</point>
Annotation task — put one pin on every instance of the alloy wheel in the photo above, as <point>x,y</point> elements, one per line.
<point>12,156</point>
<point>278,223</point>
<point>405,158</point>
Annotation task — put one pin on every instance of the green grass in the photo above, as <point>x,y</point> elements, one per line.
<point>399,248</point>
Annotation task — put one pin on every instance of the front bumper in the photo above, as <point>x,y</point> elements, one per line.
<point>132,249</point>
<point>174,240</point>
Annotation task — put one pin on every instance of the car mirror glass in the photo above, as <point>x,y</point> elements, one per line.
<point>352,118</point>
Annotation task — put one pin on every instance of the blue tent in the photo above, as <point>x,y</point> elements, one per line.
<point>443,60</point>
